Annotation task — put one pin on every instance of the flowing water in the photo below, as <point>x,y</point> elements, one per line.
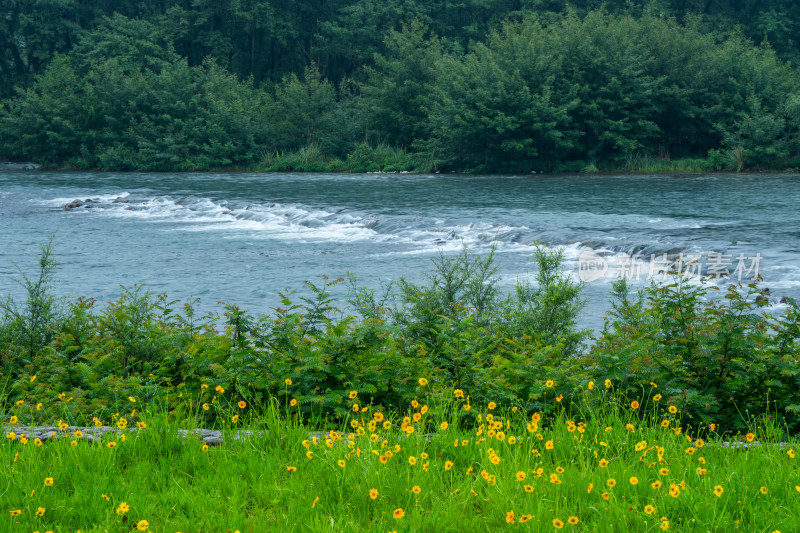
<point>241,238</point>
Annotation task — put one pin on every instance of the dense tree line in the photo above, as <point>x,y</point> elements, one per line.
<point>501,86</point>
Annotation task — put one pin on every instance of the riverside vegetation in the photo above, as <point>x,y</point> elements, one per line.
<point>363,86</point>
<point>445,405</point>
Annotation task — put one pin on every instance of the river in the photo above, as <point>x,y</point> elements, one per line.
<point>241,238</point>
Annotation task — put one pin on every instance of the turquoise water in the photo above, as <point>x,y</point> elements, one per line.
<point>241,238</point>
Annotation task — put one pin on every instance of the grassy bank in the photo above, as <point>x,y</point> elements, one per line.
<point>453,465</point>
<point>447,406</point>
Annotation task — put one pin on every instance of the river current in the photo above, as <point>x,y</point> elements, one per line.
<point>242,238</point>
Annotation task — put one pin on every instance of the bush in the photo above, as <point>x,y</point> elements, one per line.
<point>718,359</point>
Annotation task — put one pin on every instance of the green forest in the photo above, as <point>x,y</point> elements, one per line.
<point>502,86</point>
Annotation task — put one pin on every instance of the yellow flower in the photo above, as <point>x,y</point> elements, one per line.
<point>524,518</point>
<point>649,509</point>
<point>572,520</point>
<point>664,471</point>
<point>353,394</point>
<point>657,397</point>
<point>558,524</point>
<point>287,381</point>
<point>73,443</point>
<point>13,419</point>
<point>341,463</point>
<point>416,489</point>
<point>355,407</point>
<point>291,468</point>
<point>634,480</point>
<point>665,423</point>
<point>510,517</point>
<point>242,404</point>
<point>549,445</point>
<point>675,491</point>
<point>528,488</point>
<point>607,383</point>
<point>549,383</point>
<point>611,482</point>
<point>48,482</point>
<point>423,382</point>
<point>656,484</point>
<point>204,448</point>
<point>37,441</point>
<point>131,399</point>
<point>123,508</point>
<point>603,463</point>
<point>673,409</point>
<point>412,460</point>
<point>40,511</point>
<point>235,419</point>
<point>111,444</point>
<point>310,454</point>
<point>448,465</point>
<point>492,405</point>
<point>750,437</point>
<point>16,512</point>
<point>140,425</point>
<point>458,393</point>
<point>718,490</point>
<point>443,425</point>
<point>590,386</point>
<point>39,406</point>
<point>763,490</point>
<point>122,423</point>
<point>790,453</point>
<point>634,404</point>
<point>520,475</point>
<point>142,525</point>
<point>293,402</point>
<point>314,503</point>
<point>398,513</point>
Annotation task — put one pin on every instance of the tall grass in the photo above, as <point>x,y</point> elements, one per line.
<point>437,464</point>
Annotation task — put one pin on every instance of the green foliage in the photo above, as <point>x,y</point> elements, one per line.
<point>715,358</point>
<point>124,101</point>
<point>27,329</point>
<point>476,87</point>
